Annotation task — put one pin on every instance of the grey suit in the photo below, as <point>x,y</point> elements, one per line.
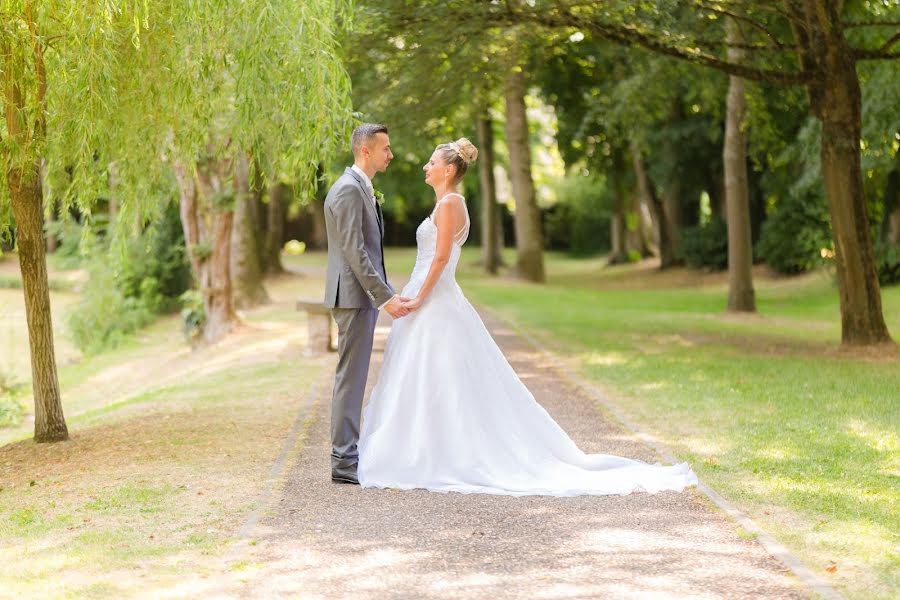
<point>355,286</point>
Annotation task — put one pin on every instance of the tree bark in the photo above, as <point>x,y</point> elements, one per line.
<point>529,234</point>
<point>741,296</point>
<point>27,205</point>
<point>670,224</point>
<point>835,99</point>
<point>490,243</point>
<point>275,215</point>
<point>636,236</point>
<point>618,228</point>
<point>648,194</point>
<point>207,234</point>
<point>246,271</point>
<point>671,213</point>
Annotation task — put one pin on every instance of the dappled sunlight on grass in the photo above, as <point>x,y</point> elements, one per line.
<point>878,438</point>
<point>606,359</point>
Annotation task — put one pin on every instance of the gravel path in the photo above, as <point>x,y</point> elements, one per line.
<point>324,540</point>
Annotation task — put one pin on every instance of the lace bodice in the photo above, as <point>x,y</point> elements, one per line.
<point>426,243</point>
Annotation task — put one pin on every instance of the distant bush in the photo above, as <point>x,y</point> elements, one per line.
<point>69,234</point>
<point>793,236</point>
<point>193,315</point>
<point>128,288</point>
<point>706,246</point>
<point>105,315</point>
<point>887,261</point>
<point>156,268</point>
<point>579,222</point>
<point>11,408</point>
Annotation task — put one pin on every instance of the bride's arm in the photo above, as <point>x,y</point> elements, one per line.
<point>445,226</point>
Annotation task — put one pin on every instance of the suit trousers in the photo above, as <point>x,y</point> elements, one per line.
<point>356,332</point>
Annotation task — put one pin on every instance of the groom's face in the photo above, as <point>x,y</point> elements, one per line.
<point>380,154</point>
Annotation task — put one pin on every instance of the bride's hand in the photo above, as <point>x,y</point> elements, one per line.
<point>411,304</point>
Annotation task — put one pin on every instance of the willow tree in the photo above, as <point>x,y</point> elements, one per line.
<point>240,80</point>
<point>55,58</point>
<point>84,85</point>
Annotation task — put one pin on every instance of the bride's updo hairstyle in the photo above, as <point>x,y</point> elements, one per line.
<point>459,154</point>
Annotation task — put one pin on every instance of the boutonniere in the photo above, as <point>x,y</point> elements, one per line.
<point>379,197</point>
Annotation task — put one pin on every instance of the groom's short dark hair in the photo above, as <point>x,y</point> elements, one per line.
<point>364,133</point>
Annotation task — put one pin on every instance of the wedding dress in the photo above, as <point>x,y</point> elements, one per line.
<point>449,414</point>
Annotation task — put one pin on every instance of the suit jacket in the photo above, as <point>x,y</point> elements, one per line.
<point>356,276</point>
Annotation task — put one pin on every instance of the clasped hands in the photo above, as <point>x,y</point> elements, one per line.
<point>398,306</point>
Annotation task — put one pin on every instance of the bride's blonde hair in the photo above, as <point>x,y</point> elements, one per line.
<point>460,154</point>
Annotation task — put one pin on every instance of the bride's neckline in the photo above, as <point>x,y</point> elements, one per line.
<point>447,195</point>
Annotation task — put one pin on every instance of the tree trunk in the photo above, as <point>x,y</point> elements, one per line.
<point>529,234</point>
<point>648,194</point>
<point>27,206</point>
<point>207,235</point>
<point>835,99</point>
<point>275,215</point>
<point>490,244</point>
<point>246,271</point>
<point>636,236</point>
<point>617,222</point>
<point>670,224</point>
<point>741,296</point>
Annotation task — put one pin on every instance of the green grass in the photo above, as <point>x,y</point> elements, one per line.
<point>768,409</point>
<point>54,285</point>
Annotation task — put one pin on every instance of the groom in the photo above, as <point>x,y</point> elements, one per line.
<point>356,287</point>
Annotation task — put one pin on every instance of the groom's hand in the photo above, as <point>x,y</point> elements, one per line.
<point>395,308</point>
<point>411,304</point>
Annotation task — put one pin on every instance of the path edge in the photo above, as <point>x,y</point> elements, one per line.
<point>771,545</point>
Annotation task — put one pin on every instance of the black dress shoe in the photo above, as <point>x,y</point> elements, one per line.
<point>344,476</point>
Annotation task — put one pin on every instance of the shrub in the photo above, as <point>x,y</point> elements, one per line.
<point>155,267</point>
<point>793,236</point>
<point>105,315</point>
<point>69,234</point>
<point>193,314</point>
<point>129,287</point>
<point>579,222</point>
<point>11,408</point>
<point>706,246</point>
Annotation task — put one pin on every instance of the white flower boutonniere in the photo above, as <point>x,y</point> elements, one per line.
<point>379,197</point>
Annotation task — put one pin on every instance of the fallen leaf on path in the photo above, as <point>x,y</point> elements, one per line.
<point>832,567</point>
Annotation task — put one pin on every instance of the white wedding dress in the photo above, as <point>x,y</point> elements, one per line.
<point>449,414</point>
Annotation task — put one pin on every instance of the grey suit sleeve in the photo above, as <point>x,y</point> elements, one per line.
<point>347,212</point>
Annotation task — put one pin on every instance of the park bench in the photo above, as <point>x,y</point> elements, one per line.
<point>318,323</point>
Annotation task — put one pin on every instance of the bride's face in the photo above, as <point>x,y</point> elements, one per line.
<point>437,172</point>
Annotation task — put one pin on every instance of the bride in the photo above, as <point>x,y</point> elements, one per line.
<point>448,412</point>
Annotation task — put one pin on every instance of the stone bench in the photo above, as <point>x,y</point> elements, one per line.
<point>318,322</point>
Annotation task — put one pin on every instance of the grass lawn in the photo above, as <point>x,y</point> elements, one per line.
<point>768,409</point>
